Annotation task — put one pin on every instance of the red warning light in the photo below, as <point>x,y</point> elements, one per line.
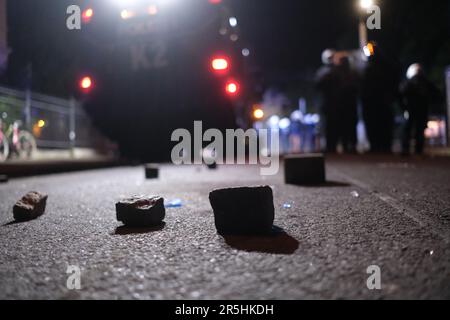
<point>219,64</point>
<point>87,15</point>
<point>232,88</point>
<point>86,84</point>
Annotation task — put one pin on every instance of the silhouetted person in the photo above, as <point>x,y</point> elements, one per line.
<point>327,83</point>
<point>347,104</point>
<point>378,92</point>
<point>416,95</point>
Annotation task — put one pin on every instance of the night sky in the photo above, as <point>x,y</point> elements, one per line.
<point>286,37</point>
<point>290,35</point>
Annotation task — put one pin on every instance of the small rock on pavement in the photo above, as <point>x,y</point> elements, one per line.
<point>151,171</point>
<point>212,166</point>
<point>3,178</point>
<point>243,211</point>
<point>304,169</point>
<point>31,206</point>
<point>139,211</point>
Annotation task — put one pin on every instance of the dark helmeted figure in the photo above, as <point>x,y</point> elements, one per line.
<point>338,84</point>
<point>327,83</point>
<point>379,91</point>
<point>347,104</point>
<point>416,96</point>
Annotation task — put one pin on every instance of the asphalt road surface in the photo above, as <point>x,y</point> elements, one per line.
<point>384,211</point>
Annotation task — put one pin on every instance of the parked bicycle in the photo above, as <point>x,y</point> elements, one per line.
<point>15,142</point>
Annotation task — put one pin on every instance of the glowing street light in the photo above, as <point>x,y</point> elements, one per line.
<point>126,14</point>
<point>233,21</point>
<point>152,10</point>
<point>369,50</point>
<point>258,114</point>
<point>366,4</point>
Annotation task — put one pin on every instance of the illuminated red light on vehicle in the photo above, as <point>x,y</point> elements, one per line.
<point>219,64</point>
<point>86,84</point>
<point>87,15</point>
<point>215,1</point>
<point>232,87</point>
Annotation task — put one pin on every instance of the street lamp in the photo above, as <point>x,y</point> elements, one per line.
<point>233,21</point>
<point>363,37</point>
<point>366,4</point>
<point>258,114</point>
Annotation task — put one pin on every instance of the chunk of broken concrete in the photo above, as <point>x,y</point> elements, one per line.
<point>139,211</point>
<point>212,166</point>
<point>243,211</point>
<point>151,171</point>
<point>304,169</point>
<point>31,206</point>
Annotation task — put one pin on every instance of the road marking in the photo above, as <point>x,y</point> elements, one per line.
<point>422,220</point>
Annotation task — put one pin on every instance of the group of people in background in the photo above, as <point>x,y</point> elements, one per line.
<point>376,89</point>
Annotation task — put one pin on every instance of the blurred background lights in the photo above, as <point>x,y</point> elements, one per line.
<point>233,21</point>
<point>86,83</point>
<point>219,64</point>
<point>223,31</point>
<point>152,10</point>
<point>297,115</point>
<point>369,50</point>
<point>126,14</point>
<point>245,52</point>
<point>274,121</point>
<point>87,15</point>
<point>258,114</point>
<point>284,123</point>
<point>234,37</point>
<point>366,4</point>
<point>231,87</point>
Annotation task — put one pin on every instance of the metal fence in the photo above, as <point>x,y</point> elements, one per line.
<point>54,122</point>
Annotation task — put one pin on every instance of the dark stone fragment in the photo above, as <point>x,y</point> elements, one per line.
<point>306,169</point>
<point>243,211</point>
<point>141,211</point>
<point>3,178</point>
<point>31,206</point>
<point>212,166</point>
<point>151,171</point>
